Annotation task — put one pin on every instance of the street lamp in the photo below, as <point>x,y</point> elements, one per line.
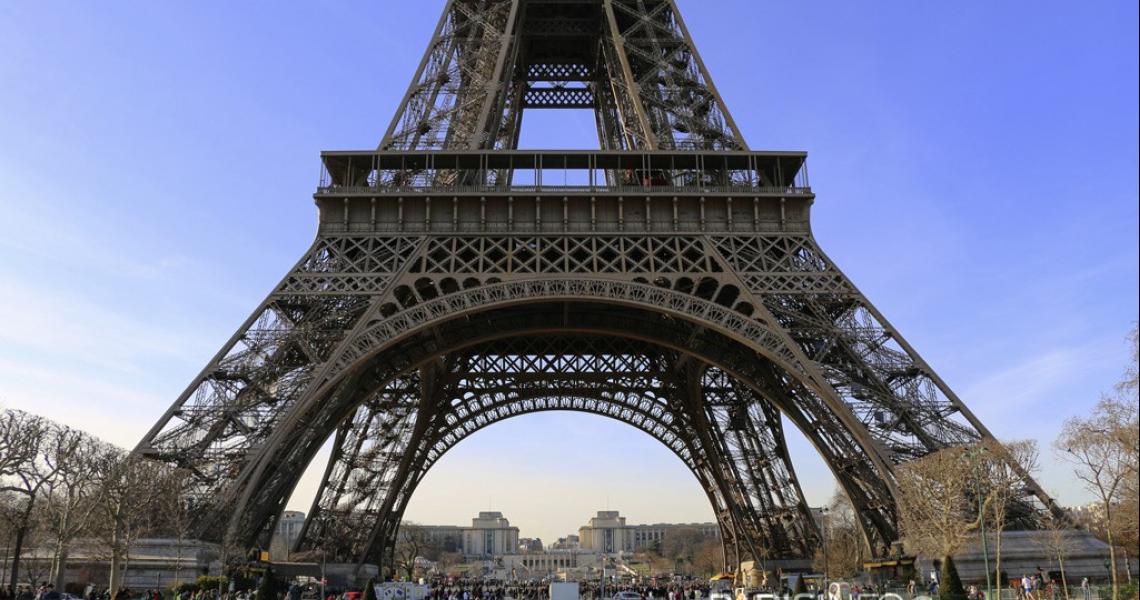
<point>985,545</point>
<point>982,534</point>
<point>826,512</point>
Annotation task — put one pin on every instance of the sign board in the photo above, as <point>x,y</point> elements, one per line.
<point>402,590</point>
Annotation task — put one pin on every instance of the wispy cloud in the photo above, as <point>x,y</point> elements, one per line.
<point>118,412</point>
<point>1039,382</point>
<point>80,333</point>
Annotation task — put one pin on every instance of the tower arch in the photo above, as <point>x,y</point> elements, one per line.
<point>498,323</point>
<point>683,242</point>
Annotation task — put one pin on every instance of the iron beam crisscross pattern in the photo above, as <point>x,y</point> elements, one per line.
<point>611,377</point>
<point>349,265</point>
<point>227,413</point>
<point>890,389</point>
<point>633,61</point>
<point>566,254</point>
<point>662,80</point>
<point>456,83</point>
<point>455,283</point>
<point>362,468</point>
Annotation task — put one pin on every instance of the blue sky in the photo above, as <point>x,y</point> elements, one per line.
<point>975,164</point>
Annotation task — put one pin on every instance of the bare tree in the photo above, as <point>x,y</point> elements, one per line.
<point>132,488</point>
<point>681,543</point>
<point>20,435</point>
<point>1056,543</point>
<point>33,566</point>
<point>70,498</point>
<point>1002,474</point>
<point>10,509</point>
<point>936,507</point>
<point>708,558</point>
<point>842,548</point>
<point>28,476</point>
<point>651,556</point>
<point>1126,525</point>
<point>14,518</point>
<point>1128,517</point>
<point>172,507</point>
<point>1104,452</point>
<point>410,542</point>
<point>1129,384</point>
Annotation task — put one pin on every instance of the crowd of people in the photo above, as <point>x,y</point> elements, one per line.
<point>477,589</point>
<point>1036,586</point>
<point>47,591</point>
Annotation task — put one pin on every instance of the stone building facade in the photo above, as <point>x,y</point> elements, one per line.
<point>607,532</point>
<point>490,534</point>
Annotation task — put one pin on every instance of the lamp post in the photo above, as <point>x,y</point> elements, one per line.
<point>985,547</point>
<point>982,534</point>
<point>826,512</point>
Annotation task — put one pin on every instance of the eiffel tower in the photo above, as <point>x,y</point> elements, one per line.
<point>668,280</point>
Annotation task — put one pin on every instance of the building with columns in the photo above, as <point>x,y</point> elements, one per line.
<point>645,536</point>
<point>490,534</point>
<point>608,533</point>
<point>289,526</point>
<point>547,563</point>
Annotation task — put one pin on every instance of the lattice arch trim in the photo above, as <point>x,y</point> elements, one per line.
<point>699,311</point>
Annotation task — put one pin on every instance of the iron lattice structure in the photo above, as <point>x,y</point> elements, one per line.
<point>668,280</point>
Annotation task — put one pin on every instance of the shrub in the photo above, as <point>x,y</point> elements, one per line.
<point>950,585</point>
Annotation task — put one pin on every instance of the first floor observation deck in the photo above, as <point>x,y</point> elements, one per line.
<point>563,190</point>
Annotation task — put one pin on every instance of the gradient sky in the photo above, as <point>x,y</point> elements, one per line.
<point>975,164</point>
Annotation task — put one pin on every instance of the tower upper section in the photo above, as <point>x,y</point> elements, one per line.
<point>632,61</point>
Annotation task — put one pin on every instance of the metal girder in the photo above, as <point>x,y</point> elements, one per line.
<point>629,381</point>
<point>460,84</point>
<point>684,283</point>
<point>662,93</point>
<point>680,291</point>
<point>217,423</point>
<point>633,61</point>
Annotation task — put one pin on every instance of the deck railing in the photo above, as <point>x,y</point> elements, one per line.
<point>564,171</point>
<point>426,188</point>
